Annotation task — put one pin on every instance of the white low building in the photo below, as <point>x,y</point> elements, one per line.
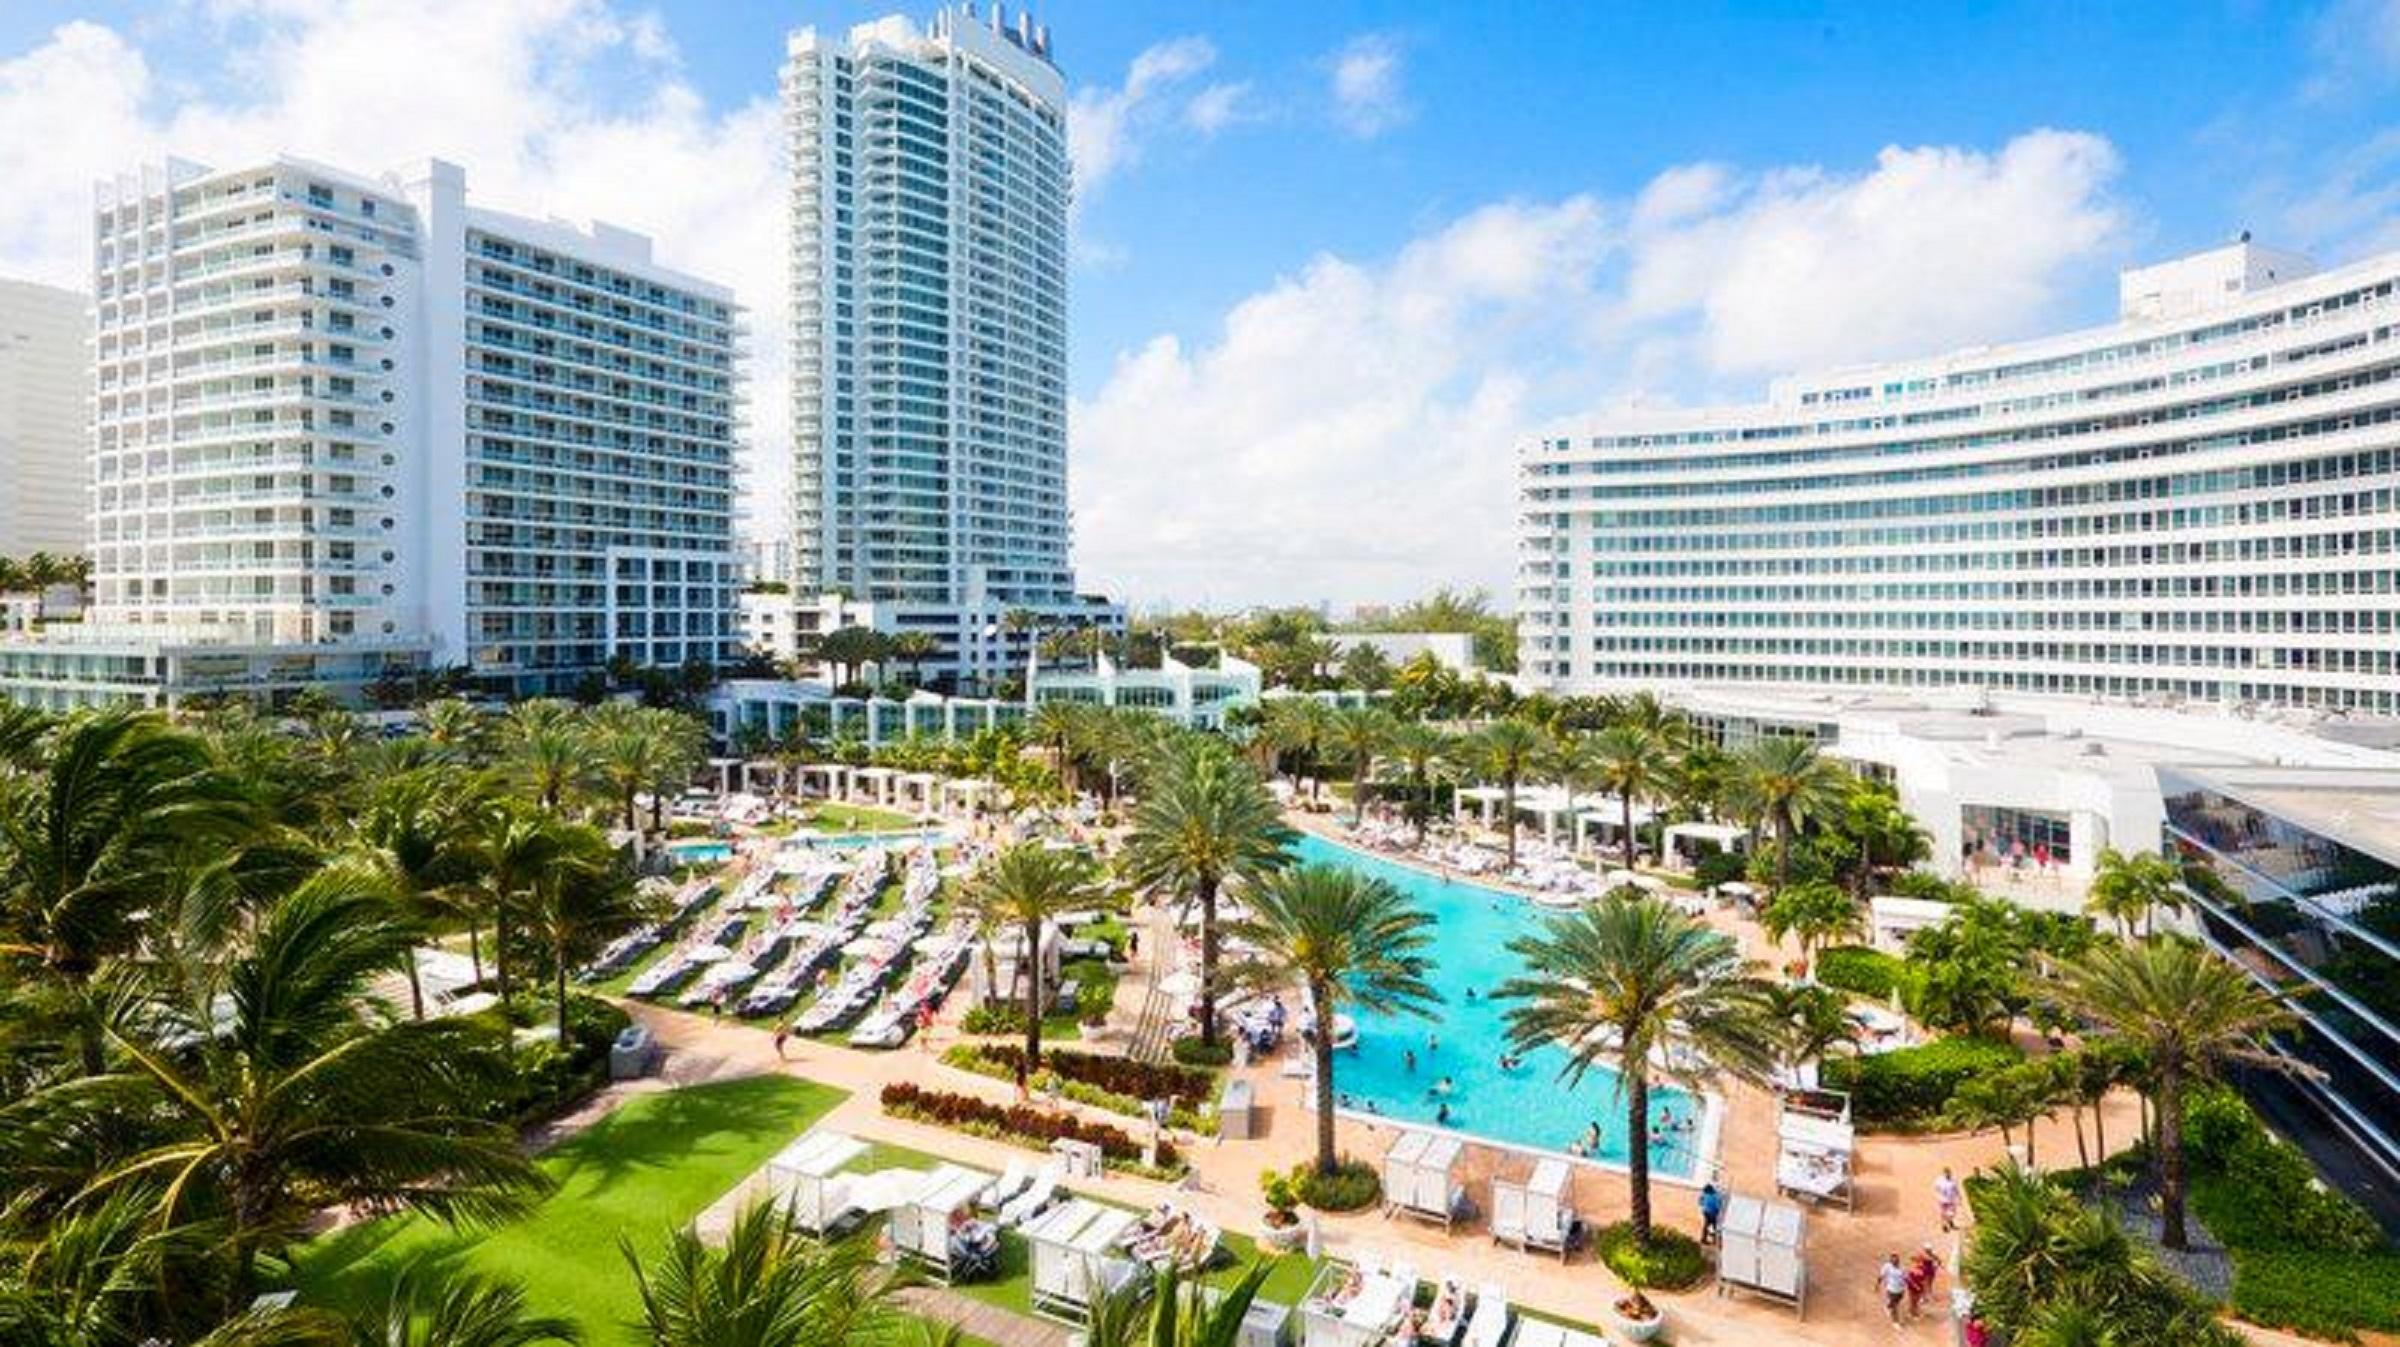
<point>1186,693</point>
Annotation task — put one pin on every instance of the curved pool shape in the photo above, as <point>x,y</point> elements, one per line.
<point>1529,1107</point>
<point>700,853</point>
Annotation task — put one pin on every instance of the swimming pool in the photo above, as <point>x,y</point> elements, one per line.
<point>700,853</point>
<point>1528,1107</point>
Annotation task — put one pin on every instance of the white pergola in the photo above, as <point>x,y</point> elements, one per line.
<point>968,793</point>
<point>920,790</point>
<point>724,769</point>
<point>877,780</point>
<point>1549,804</point>
<point>837,778</point>
<point>1724,836</point>
<point>1609,820</point>
<point>1486,798</point>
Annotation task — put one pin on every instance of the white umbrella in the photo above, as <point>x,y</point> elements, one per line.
<point>733,970</point>
<point>707,953</point>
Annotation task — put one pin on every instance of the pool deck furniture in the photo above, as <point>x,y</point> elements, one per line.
<point>1543,1333</point>
<point>1814,1153</point>
<point>920,1224</point>
<point>1075,1258</point>
<point>807,1177</point>
<point>1535,1212</point>
<point>1762,1249</point>
<point>1342,1312</point>
<point>1420,1177</point>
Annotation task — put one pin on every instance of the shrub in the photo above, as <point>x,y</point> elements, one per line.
<point>1124,1083</point>
<point>1912,1086</point>
<point>2331,1295</point>
<point>1671,1261</point>
<point>1021,1123</point>
<point>993,1020</point>
<point>1193,1052</point>
<point>1352,1186</point>
<point>1718,867</point>
<point>1866,972</point>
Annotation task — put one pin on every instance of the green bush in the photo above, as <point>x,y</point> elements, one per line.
<point>1865,972</point>
<point>1718,867</point>
<point>1912,1086</point>
<point>1193,1052</point>
<point>1352,1186</point>
<point>993,1020</point>
<point>1671,1261</point>
<point>2331,1295</point>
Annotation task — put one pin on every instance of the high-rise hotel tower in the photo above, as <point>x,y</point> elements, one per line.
<point>929,298</point>
<point>349,427</point>
<point>2199,503</point>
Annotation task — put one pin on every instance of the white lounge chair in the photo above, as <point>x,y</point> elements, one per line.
<point>1011,1182</point>
<point>1034,1199</point>
<point>1489,1327</point>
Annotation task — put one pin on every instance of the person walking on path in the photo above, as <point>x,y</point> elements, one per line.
<point>783,1035</point>
<point>1712,1213</point>
<point>1945,1196</point>
<point>1922,1270</point>
<point>1892,1280</point>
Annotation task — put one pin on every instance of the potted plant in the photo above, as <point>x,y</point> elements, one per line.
<point>1283,1211</point>
<point>1633,1315</point>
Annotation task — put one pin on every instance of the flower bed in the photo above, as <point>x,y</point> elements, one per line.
<point>1079,1076</point>
<point>1021,1123</point>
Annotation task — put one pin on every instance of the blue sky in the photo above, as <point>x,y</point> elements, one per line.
<point>1334,259</point>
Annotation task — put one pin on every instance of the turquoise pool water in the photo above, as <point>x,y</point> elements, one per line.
<point>1463,1039</point>
<point>701,853</point>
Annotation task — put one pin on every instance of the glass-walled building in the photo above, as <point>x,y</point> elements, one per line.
<point>2295,875</point>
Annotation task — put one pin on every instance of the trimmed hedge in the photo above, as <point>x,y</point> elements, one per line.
<point>1862,971</point>
<point>1671,1261</point>
<point>1352,1186</point>
<point>1117,1075</point>
<point>1912,1086</point>
<point>2327,1295</point>
<point>1194,1052</point>
<point>1021,1123</point>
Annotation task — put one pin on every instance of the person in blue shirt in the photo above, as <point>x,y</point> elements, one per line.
<point>1712,1211</point>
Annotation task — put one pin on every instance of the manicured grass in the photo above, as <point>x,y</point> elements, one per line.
<point>645,1169</point>
<point>851,818</point>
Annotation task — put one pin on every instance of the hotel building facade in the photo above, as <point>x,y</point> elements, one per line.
<point>348,427</point>
<point>45,364</point>
<point>929,298</point>
<point>2198,503</point>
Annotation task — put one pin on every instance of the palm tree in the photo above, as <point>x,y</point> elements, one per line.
<point>1627,760</point>
<point>913,648</point>
<point>1166,1310</point>
<point>1503,750</point>
<point>2128,890</point>
<point>272,1098</point>
<point>1813,1021</point>
<point>639,748</point>
<point>84,839</point>
<point>1421,750</point>
<point>1028,884</point>
<point>1203,818</point>
<point>582,899</point>
<point>767,1285</point>
<point>1790,783</point>
<point>412,831</point>
<point>1886,834</point>
<point>1628,977</point>
<point>1060,727</point>
<point>2053,1270</point>
<point>454,1310</point>
<point>1358,734</point>
<point>512,843</point>
<point>458,729</point>
<point>1349,939</point>
<point>1301,726</point>
<point>2186,1012</point>
<point>1812,913</point>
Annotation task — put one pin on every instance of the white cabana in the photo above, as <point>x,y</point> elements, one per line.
<point>806,1176</point>
<point>1420,1176</point>
<point>1891,920</point>
<point>1486,798</point>
<point>1687,842</point>
<point>920,1224</point>
<point>1359,1306</point>
<point>1535,1212</point>
<point>1813,1153</point>
<point>836,776</point>
<point>968,794</point>
<point>1608,820</point>
<point>1075,1259</point>
<point>1548,804</point>
<point>921,790</point>
<point>1008,965</point>
<point>1762,1250</point>
<point>875,782</point>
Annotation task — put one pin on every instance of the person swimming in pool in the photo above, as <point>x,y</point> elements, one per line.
<point>1442,1115</point>
<point>1442,1088</point>
<point>1408,1058</point>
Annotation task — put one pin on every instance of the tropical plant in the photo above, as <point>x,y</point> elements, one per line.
<point>1884,834</point>
<point>578,902</point>
<point>2187,1013</point>
<point>912,649</point>
<point>1503,750</point>
<point>1204,818</point>
<point>1627,760</point>
<point>2047,1268</point>
<point>1811,1021</point>
<point>767,1285</point>
<point>1169,1310</point>
<point>413,831</point>
<point>1302,727</point>
<point>1811,913</point>
<point>1027,885</point>
<point>1348,939</point>
<point>1359,734</point>
<point>512,843</point>
<point>543,752</point>
<point>271,1098</point>
<point>1630,978</point>
<point>451,1309</point>
<point>1420,751</point>
<point>1788,783</point>
<point>2131,889</point>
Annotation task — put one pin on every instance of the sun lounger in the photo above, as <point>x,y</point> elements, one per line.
<point>1031,1202</point>
<point>1012,1181</point>
<point>1489,1327</point>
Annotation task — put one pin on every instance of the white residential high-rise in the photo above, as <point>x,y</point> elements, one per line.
<point>2200,502</point>
<point>929,273</point>
<point>348,427</point>
<point>45,382</point>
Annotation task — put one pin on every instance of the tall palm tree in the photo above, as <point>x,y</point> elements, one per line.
<point>1028,884</point>
<point>1504,750</point>
<point>634,749</point>
<point>1059,727</point>
<point>578,902</point>
<point>83,842</point>
<point>1359,734</point>
<point>1203,818</point>
<point>542,751</point>
<point>1629,976</point>
<point>912,649</point>
<point>2187,1012</point>
<point>273,1098</point>
<point>1627,760</point>
<point>1790,783</point>
<point>2130,889</point>
<point>1349,939</point>
<point>1302,726</point>
<point>412,830</point>
<point>458,729</point>
<point>512,843</point>
<point>1421,750</point>
<point>766,1285</point>
<point>1811,913</point>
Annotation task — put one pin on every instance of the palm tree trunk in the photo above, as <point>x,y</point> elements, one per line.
<point>1627,820</point>
<point>2170,1159</point>
<point>500,950</point>
<point>633,815</point>
<point>1320,996</point>
<point>2083,1158</point>
<point>1637,1144</point>
<point>1508,805</point>
<point>2100,1126</point>
<point>416,986</point>
<point>475,948</point>
<point>1033,996</point>
<point>561,953</point>
<point>1783,854</point>
<point>1358,794</point>
<point>1208,959</point>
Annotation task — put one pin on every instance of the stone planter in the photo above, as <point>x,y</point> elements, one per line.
<point>1632,1329</point>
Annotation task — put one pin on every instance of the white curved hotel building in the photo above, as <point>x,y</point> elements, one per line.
<point>2196,503</point>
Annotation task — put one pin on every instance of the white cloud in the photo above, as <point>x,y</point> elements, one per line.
<point>566,107</point>
<point>1367,95</point>
<point>1106,126</point>
<point>1349,432</point>
<point>1219,106</point>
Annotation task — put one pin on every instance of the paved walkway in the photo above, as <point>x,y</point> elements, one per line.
<point>979,1320</point>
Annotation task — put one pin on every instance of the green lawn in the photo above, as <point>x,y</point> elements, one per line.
<point>851,818</point>
<point>649,1167</point>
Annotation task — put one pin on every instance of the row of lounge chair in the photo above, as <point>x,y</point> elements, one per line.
<point>627,950</point>
<point>1365,1304</point>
